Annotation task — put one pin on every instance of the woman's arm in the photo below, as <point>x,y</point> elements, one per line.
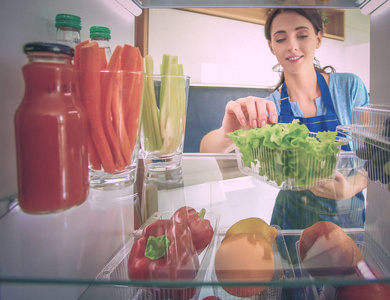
<point>216,141</point>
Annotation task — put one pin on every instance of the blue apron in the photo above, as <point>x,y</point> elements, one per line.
<point>301,209</point>
<point>317,123</point>
<point>327,122</point>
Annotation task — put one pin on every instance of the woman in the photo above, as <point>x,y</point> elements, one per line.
<point>320,100</point>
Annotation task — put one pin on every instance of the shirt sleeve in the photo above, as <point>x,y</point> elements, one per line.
<point>348,91</point>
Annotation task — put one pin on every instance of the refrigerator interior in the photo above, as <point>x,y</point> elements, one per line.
<point>24,21</point>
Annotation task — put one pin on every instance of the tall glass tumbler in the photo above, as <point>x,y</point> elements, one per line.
<point>164,110</point>
<point>112,100</point>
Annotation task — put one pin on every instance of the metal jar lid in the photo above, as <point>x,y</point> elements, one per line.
<point>48,47</point>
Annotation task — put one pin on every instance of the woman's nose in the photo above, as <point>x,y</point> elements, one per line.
<point>293,45</point>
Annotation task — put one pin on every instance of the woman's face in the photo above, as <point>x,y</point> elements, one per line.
<point>294,41</point>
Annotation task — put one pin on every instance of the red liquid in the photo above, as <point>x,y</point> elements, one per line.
<point>51,140</point>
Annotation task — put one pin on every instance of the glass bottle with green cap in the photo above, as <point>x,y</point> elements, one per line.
<point>102,36</point>
<point>68,29</point>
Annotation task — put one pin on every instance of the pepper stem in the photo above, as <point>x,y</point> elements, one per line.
<point>202,213</point>
<point>156,247</point>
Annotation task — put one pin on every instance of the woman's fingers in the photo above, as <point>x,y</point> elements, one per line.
<point>272,113</point>
<point>235,107</point>
<point>250,104</point>
<point>258,111</point>
<point>249,112</point>
<point>266,112</point>
<point>338,189</point>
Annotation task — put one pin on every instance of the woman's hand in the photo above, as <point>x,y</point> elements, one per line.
<point>244,113</point>
<point>341,188</point>
<point>249,112</point>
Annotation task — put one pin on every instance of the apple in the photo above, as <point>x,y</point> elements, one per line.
<point>326,250</point>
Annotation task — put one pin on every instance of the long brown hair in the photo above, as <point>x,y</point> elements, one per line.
<point>309,13</point>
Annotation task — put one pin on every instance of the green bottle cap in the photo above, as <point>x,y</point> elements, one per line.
<point>99,31</point>
<point>67,20</point>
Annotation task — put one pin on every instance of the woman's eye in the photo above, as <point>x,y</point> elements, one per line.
<point>302,36</point>
<point>280,40</point>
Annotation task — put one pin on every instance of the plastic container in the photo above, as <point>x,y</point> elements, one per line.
<point>283,269</point>
<point>329,292</point>
<point>68,29</point>
<point>102,36</point>
<point>116,269</point>
<point>51,132</point>
<point>370,132</point>
<point>273,166</point>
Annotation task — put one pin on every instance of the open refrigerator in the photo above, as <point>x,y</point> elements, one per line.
<point>376,238</point>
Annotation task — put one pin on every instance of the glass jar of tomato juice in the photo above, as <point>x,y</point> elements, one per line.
<point>51,132</point>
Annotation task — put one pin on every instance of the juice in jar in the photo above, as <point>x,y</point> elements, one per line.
<point>51,133</point>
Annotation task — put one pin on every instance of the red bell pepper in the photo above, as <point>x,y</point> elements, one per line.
<point>165,252</point>
<point>201,230</point>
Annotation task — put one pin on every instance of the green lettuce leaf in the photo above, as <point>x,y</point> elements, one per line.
<point>288,151</point>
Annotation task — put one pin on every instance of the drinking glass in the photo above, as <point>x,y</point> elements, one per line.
<point>164,111</point>
<point>112,101</point>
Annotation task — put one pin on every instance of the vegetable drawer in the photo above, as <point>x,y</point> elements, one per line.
<point>116,272</point>
<point>283,270</point>
<point>329,292</point>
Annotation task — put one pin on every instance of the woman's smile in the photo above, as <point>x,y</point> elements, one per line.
<point>294,59</point>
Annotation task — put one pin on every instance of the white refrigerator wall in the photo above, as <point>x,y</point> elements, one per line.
<point>23,21</point>
<point>221,51</point>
